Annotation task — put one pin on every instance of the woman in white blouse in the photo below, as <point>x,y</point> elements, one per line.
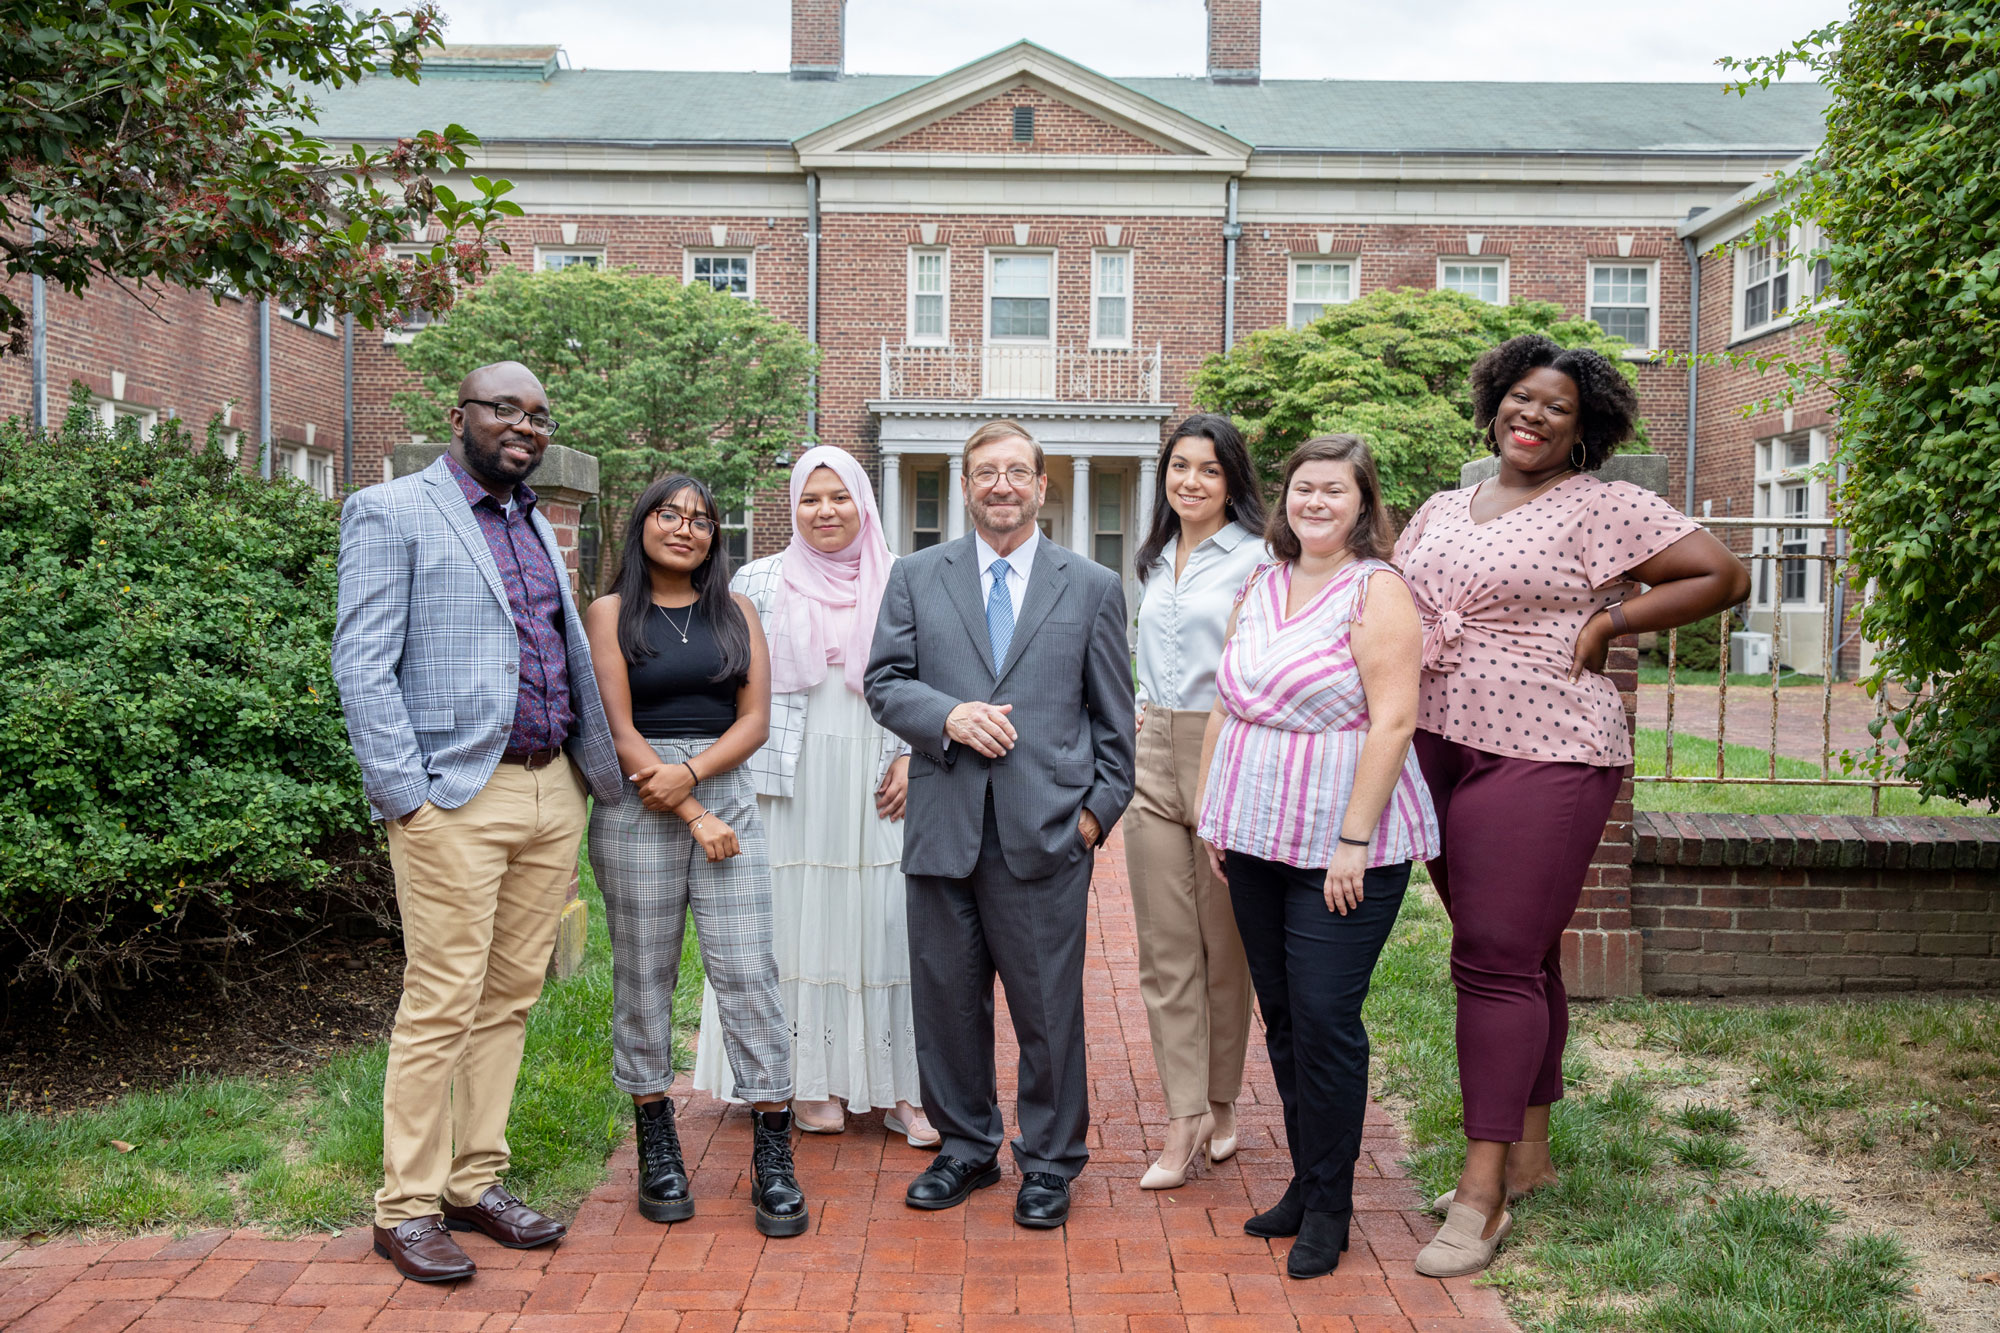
<point>1207,535</point>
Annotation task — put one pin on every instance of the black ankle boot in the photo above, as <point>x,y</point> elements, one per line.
<point>1281,1218</point>
<point>663,1180</point>
<point>1322,1236</point>
<point>774,1190</point>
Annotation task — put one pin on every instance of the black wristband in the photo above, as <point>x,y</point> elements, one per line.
<point>1352,842</point>
<point>691,773</point>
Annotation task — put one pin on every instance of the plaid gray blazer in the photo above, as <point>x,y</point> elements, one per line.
<point>425,653</point>
<point>776,762</point>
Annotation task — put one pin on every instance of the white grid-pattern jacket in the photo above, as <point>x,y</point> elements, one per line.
<point>774,765</point>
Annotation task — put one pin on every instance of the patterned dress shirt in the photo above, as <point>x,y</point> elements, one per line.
<point>542,713</point>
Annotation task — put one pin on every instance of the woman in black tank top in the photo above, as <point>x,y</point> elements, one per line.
<point>685,677</point>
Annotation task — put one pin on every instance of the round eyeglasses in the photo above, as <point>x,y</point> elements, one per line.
<point>673,520</point>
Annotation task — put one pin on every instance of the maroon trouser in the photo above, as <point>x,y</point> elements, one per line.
<point>1518,837</point>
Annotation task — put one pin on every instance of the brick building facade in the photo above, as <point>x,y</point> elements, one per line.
<point>1027,237</point>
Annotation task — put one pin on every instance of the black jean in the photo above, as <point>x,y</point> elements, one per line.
<point>1311,967</point>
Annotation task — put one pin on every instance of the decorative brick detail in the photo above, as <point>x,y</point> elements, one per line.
<point>988,127</point>
<point>1600,249</point>
<point>1235,40</point>
<point>1763,904</point>
<point>1459,244</point>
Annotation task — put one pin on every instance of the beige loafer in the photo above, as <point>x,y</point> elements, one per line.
<point>1458,1248</point>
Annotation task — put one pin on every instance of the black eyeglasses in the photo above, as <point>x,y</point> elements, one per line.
<point>509,415</point>
<point>673,520</point>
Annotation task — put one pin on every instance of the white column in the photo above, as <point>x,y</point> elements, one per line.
<point>891,503</point>
<point>1142,521</point>
<point>954,521</point>
<point>1079,505</point>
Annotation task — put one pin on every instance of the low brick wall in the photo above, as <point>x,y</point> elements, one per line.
<point>1785,904</point>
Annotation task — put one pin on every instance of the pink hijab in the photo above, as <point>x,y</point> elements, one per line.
<point>812,582</point>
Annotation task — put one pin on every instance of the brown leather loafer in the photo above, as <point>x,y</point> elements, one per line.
<point>423,1251</point>
<point>506,1219</point>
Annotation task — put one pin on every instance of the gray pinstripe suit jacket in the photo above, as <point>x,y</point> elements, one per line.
<point>425,653</point>
<point>1068,674</point>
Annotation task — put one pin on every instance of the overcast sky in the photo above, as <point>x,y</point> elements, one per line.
<point>1303,39</point>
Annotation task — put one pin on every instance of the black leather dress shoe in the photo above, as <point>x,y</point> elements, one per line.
<point>423,1251</point>
<point>949,1182</point>
<point>1043,1200</point>
<point>506,1219</point>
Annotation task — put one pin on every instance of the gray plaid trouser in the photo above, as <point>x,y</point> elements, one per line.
<point>650,870</point>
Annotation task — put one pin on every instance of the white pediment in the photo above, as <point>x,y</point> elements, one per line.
<point>1181,142</point>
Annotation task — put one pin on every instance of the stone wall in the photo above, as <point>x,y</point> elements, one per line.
<point>1785,904</point>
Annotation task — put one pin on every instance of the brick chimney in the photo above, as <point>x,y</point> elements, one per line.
<point>819,38</point>
<point>1235,40</point>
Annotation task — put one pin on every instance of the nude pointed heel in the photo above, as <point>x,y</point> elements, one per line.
<point>1162,1176</point>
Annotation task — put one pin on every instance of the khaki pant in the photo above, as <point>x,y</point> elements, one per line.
<point>1192,972</point>
<point>481,889</point>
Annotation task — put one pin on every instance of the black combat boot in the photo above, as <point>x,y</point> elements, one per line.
<point>774,1190</point>
<point>663,1178</point>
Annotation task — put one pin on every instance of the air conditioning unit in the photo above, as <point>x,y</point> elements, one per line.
<point>1749,654</point>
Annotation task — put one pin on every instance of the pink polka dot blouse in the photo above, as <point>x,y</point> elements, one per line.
<point>1503,602</point>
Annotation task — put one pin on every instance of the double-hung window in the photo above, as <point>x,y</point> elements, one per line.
<point>1317,284</point>
<point>736,536</point>
<point>406,323</point>
<point>1767,279</point>
<point>930,297</point>
<point>927,510</point>
<point>550,259</point>
<point>1624,301</point>
<point>1485,279</point>
<point>1020,293</point>
<point>733,274</point>
<point>1111,298</point>
<point>1788,489</point>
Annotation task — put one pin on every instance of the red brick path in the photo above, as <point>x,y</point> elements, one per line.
<point>1129,1261</point>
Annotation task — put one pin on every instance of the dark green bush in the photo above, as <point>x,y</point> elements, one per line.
<point>174,773</point>
<point>1697,647</point>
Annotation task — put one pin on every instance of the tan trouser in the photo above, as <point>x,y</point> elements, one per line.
<point>481,890</point>
<point>1191,967</point>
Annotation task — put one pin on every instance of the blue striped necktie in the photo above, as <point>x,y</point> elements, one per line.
<point>999,615</point>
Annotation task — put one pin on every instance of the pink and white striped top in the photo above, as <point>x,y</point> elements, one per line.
<point>1294,720</point>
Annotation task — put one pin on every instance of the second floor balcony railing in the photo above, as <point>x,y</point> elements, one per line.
<point>1022,371</point>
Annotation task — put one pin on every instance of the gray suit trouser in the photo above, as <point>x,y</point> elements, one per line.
<point>1031,933</point>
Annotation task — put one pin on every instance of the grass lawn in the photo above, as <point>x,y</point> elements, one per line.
<point>1651,673</point>
<point>303,1155</point>
<point>1677,1211</point>
<point>1694,755</point>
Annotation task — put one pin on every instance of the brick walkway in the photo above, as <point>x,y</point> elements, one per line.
<point>1129,1261</point>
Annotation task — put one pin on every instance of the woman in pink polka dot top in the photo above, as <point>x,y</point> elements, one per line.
<point>1521,584</point>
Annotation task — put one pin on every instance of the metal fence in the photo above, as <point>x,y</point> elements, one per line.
<point>1784,561</point>
<point>1021,371</point>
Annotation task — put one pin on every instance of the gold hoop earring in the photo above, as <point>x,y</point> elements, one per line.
<point>1574,461</point>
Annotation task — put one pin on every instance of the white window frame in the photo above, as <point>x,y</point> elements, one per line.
<point>1098,293</point>
<point>1651,267</point>
<point>229,439</point>
<point>1775,476</point>
<point>914,477</point>
<point>942,338</point>
<point>1750,261</point>
<point>320,459</point>
<point>327,324</point>
<point>591,256</point>
<point>1118,483</point>
<point>1352,263</point>
<point>986,299</point>
<point>397,332</point>
<point>1484,261</point>
<point>111,411</point>
<point>749,268</point>
<point>742,520</point>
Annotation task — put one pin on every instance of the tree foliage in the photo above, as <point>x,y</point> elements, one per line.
<point>1390,367</point>
<point>166,141</point>
<point>646,373</point>
<point>173,764</point>
<point>1905,189</point>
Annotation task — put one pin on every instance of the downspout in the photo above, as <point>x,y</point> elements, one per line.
<point>812,296</point>
<point>1839,568</point>
<point>347,402</point>
<point>38,306</point>
<point>264,388</point>
<point>1231,229</point>
<point>1694,350</point>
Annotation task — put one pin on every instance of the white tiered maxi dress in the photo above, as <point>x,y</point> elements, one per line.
<point>841,941</point>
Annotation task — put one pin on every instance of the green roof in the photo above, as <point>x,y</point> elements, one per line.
<point>647,106</point>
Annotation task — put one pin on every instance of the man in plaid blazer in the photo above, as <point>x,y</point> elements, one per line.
<point>466,681</point>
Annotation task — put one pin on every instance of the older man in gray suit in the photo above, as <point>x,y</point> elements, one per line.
<point>466,681</point>
<point>1014,690</point>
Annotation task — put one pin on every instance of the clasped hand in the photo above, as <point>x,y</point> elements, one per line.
<point>984,727</point>
<point>663,786</point>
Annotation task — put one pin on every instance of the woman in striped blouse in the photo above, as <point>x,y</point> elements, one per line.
<point>1313,809</point>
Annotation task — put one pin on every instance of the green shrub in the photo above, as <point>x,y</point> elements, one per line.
<point>174,772</point>
<point>1697,647</point>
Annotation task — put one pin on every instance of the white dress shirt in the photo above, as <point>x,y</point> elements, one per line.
<point>1181,621</point>
<point>1019,562</point>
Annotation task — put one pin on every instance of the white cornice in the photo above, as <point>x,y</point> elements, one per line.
<point>1148,164</point>
<point>1063,79</point>
<point>1705,170</point>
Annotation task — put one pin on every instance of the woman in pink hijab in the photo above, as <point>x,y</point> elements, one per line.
<point>830,784</point>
